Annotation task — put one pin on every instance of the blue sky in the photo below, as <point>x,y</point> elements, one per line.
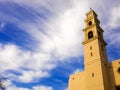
<point>40,40</point>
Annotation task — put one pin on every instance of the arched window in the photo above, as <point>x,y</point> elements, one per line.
<point>90,23</point>
<point>90,34</point>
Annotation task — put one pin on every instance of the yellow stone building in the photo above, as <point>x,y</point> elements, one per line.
<point>98,74</point>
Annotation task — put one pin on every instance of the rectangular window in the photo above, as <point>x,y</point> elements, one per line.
<point>92,74</point>
<point>91,54</point>
<point>90,47</point>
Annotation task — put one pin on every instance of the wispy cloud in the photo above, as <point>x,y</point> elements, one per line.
<point>114,18</point>
<point>42,88</point>
<point>10,86</point>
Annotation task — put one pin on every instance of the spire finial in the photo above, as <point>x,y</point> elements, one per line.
<point>91,9</point>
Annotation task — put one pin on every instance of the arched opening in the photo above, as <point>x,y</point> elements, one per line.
<point>90,34</point>
<point>90,23</point>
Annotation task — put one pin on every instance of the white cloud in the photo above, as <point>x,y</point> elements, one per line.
<point>63,31</point>
<point>9,86</point>
<point>42,88</point>
<point>78,70</point>
<point>13,58</point>
<point>10,57</point>
<point>16,88</point>
<point>114,18</point>
<point>65,35</point>
<point>29,76</point>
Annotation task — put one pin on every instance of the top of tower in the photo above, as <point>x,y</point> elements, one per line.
<point>92,28</point>
<point>91,13</point>
<point>91,18</point>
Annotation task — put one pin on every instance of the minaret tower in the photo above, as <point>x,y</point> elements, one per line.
<point>95,57</point>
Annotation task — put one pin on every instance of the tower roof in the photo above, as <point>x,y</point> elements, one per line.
<point>91,12</point>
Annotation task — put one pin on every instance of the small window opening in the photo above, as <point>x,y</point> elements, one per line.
<point>90,23</point>
<point>91,54</point>
<point>92,74</point>
<point>90,47</point>
<point>118,69</point>
<point>90,34</point>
